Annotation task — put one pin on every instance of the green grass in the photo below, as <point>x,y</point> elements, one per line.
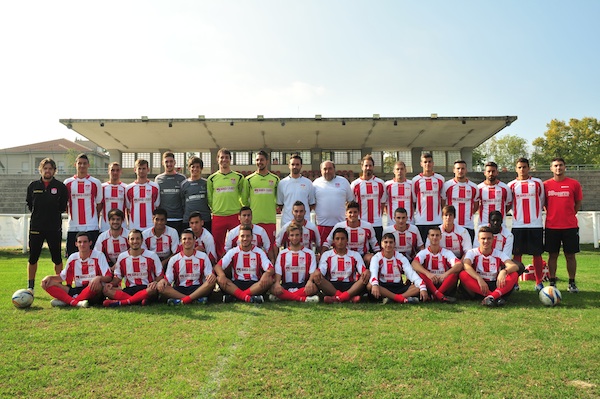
<point>287,350</point>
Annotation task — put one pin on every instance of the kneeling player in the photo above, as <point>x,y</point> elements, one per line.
<point>488,272</point>
<point>342,275</point>
<point>293,268</point>
<point>189,276</point>
<point>252,272</point>
<point>140,268</point>
<point>386,269</point>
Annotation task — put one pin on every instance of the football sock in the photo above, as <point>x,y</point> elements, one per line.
<point>137,297</point>
<point>241,295</point>
<point>85,294</point>
<point>186,299</point>
<point>288,296</point>
<point>448,283</point>
<point>430,286</point>
<point>400,298</point>
<point>517,258</point>
<point>470,283</point>
<point>571,281</point>
<point>120,295</point>
<point>511,280</point>
<point>538,265</point>
<point>31,283</point>
<point>344,296</point>
<point>61,295</point>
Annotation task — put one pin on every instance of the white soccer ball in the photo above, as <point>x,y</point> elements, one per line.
<point>22,298</point>
<point>550,296</point>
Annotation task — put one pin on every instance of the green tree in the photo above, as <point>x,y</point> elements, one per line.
<point>504,150</point>
<point>578,142</point>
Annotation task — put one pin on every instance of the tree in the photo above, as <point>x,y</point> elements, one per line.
<point>578,142</point>
<point>504,150</point>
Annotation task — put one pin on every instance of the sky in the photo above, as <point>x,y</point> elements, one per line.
<point>537,60</point>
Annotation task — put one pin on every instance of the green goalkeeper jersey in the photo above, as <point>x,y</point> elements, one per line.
<point>262,194</point>
<point>227,193</point>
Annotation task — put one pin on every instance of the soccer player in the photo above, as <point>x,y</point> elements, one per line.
<point>252,272</point>
<point>310,234</point>
<point>527,226</point>
<point>113,195</point>
<point>427,194</point>
<point>463,194</point>
<point>113,242</point>
<point>169,183</point>
<point>361,234</point>
<point>503,238</point>
<point>85,197</point>
<point>226,190</point>
<point>84,275</point>
<point>454,237</point>
<point>370,194</point>
<point>386,270</point>
<point>438,267</point>
<point>140,268</point>
<point>205,242</point>
<point>294,187</point>
<point>161,239</point>
<point>493,194</point>
<point>488,272</point>
<point>563,201</point>
<point>142,197</point>
<point>407,236</point>
<point>399,192</point>
<point>331,193</point>
<point>293,269</point>
<point>262,195</point>
<point>259,235</point>
<point>194,193</point>
<point>46,200</point>
<point>189,277</point>
<point>341,275</point>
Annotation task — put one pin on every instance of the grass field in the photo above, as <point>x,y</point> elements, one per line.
<point>288,350</point>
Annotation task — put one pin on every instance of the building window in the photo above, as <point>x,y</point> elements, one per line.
<point>127,160</point>
<point>240,158</point>
<point>206,160</point>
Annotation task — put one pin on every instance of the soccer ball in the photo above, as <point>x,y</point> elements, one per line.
<point>550,296</point>
<point>22,298</point>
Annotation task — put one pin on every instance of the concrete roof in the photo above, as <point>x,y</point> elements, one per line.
<point>58,145</point>
<point>378,134</point>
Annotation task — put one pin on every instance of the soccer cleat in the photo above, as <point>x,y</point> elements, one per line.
<point>83,304</point>
<point>573,288</point>
<point>202,300</point>
<point>489,301</point>
<point>111,303</point>
<point>312,299</point>
<point>174,302</point>
<point>448,299</point>
<point>257,299</point>
<point>539,287</point>
<point>500,301</point>
<point>516,287</point>
<point>331,299</point>
<point>57,303</point>
<point>355,299</point>
<point>273,298</point>
<point>228,298</point>
<point>385,301</point>
<point>412,300</point>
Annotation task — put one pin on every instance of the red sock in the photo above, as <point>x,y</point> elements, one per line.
<point>186,299</point>
<point>344,296</point>
<point>538,268</point>
<point>338,293</point>
<point>517,258</point>
<point>510,282</point>
<point>241,295</point>
<point>470,283</point>
<point>288,296</point>
<point>121,295</point>
<point>430,286</point>
<point>448,283</point>
<point>86,293</point>
<point>399,298</point>
<point>61,295</point>
<point>136,298</point>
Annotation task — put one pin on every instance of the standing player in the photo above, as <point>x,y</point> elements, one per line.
<point>463,194</point>
<point>189,276</point>
<point>407,236</point>
<point>427,194</point>
<point>142,197</point>
<point>294,188</point>
<point>399,193</point>
<point>331,193</point>
<point>140,268</point>
<point>169,183</point>
<point>161,239</point>
<point>251,270</point>
<point>47,200</point>
<point>85,197</point>
<point>262,195</point>
<point>311,238</point>
<point>293,269</point>
<point>454,237</point>
<point>194,193</point>
<point>259,235</point>
<point>113,195</point>
<point>226,195</point>
<point>527,226</point>
<point>369,192</point>
<point>84,275</point>
<point>494,195</point>
<point>114,241</point>
<point>563,201</point>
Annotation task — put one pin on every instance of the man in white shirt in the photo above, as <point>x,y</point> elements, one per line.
<point>294,188</point>
<point>332,193</point>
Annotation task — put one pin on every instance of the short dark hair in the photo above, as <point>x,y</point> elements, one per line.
<point>491,164</point>
<point>400,210</point>
<point>485,229</point>
<point>246,227</point>
<point>195,160</point>
<point>263,153</point>
<point>195,214</point>
<point>523,160</point>
<point>299,203</point>
<point>168,154</point>
<point>245,208</point>
<point>449,209</point>
<point>352,204</point>
<point>159,211</point>
<point>434,228</point>
<point>187,231</point>
<point>135,231</point>
<point>558,159</point>
<point>296,156</point>
<point>388,236</point>
<point>83,233</point>
<point>340,230</point>
<point>116,212</point>
<point>45,162</point>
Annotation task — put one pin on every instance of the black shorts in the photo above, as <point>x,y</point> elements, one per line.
<point>134,289</point>
<point>378,234</point>
<point>36,241</point>
<point>342,285</point>
<point>396,288</point>
<point>291,286</point>
<point>71,238</point>
<point>528,241</point>
<point>568,237</point>
<point>189,290</point>
<point>95,300</point>
<point>244,285</point>
<point>471,233</point>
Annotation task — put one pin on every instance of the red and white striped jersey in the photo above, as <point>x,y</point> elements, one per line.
<point>84,195</point>
<point>164,245</point>
<point>463,196</point>
<point>206,244</point>
<point>359,238</point>
<point>81,271</point>
<point>488,266</point>
<point>141,200</point>
<point>310,235</point>
<point>458,240</point>
<point>342,268</point>
<point>370,195</point>
<point>246,265</point>
<point>138,270</point>
<point>436,263</point>
<point>427,195</point>
<point>493,198</point>
<point>185,271</point>
<point>260,238</point>
<point>295,266</point>
<point>389,270</point>
<point>408,241</point>
<point>399,195</point>
<point>113,197</point>
<point>503,242</point>
<point>112,247</point>
<point>528,201</point>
